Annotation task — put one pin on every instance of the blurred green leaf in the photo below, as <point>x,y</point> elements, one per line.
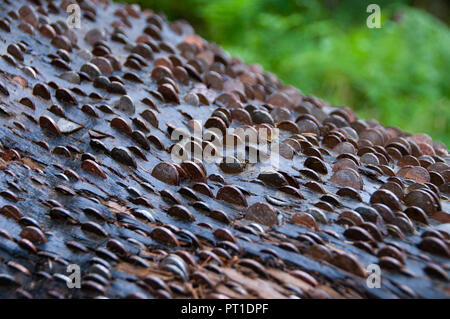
<point>398,74</point>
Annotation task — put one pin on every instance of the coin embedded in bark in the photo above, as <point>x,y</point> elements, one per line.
<point>305,219</point>
<point>358,233</point>
<point>308,126</point>
<point>11,211</point>
<point>218,123</point>
<point>394,188</point>
<point>48,124</point>
<point>62,42</point>
<point>115,87</point>
<point>151,117</point>
<point>125,104</point>
<point>280,114</point>
<point>421,199</point>
<point>220,216</point>
<point>224,234</point>
<point>262,213</point>
<point>93,36</point>
<point>434,246</point>
<point>15,52</point>
<point>417,173</point>
<point>93,167</point>
<point>165,236</point>
<point>438,167</point>
<point>241,115</point>
<point>316,164</point>
<point>344,148</point>
<point>349,263</point>
<point>167,173</point>
<point>389,263</point>
<point>273,178</point>
<point>386,197</point>
<point>91,70</point>
<point>71,77</point>
<point>122,155</point>
<point>169,93</point>
<point>231,194</point>
<point>65,96</point>
<point>286,151</point>
<point>288,126</point>
<point>103,64</point>
<point>94,228</point>
<point>143,50</point>
<point>417,214</point>
<point>214,80</point>
<point>347,177</point>
<point>195,173</point>
<point>192,99</point>
<point>181,212</point>
<point>353,216</point>
<point>261,117</point>
<point>120,124</point>
<point>344,163</point>
<point>436,271</point>
<point>33,234</point>
<point>231,165</point>
<point>41,90</point>
<point>160,72</point>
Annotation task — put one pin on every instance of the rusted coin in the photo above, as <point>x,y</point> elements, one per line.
<point>167,173</point>
<point>49,125</point>
<point>92,167</point>
<point>231,194</point>
<point>120,124</point>
<point>416,214</point>
<point>436,271</point>
<point>349,263</point>
<point>33,234</point>
<point>389,263</point>
<point>386,197</point>
<point>11,211</point>
<point>358,233</point>
<point>224,234</point>
<point>345,163</point>
<point>435,246</point>
<point>304,219</point>
<point>316,164</point>
<point>417,173</point>
<point>347,177</point>
<point>422,200</point>
<point>94,228</point>
<point>273,178</point>
<point>181,212</point>
<point>351,215</point>
<point>391,251</point>
<point>169,93</point>
<point>194,171</point>
<point>165,236</point>
<point>41,90</point>
<point>123,156</point>
<point>262,213</point>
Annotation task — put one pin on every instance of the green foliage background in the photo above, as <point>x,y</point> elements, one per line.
<point>398,74</point>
